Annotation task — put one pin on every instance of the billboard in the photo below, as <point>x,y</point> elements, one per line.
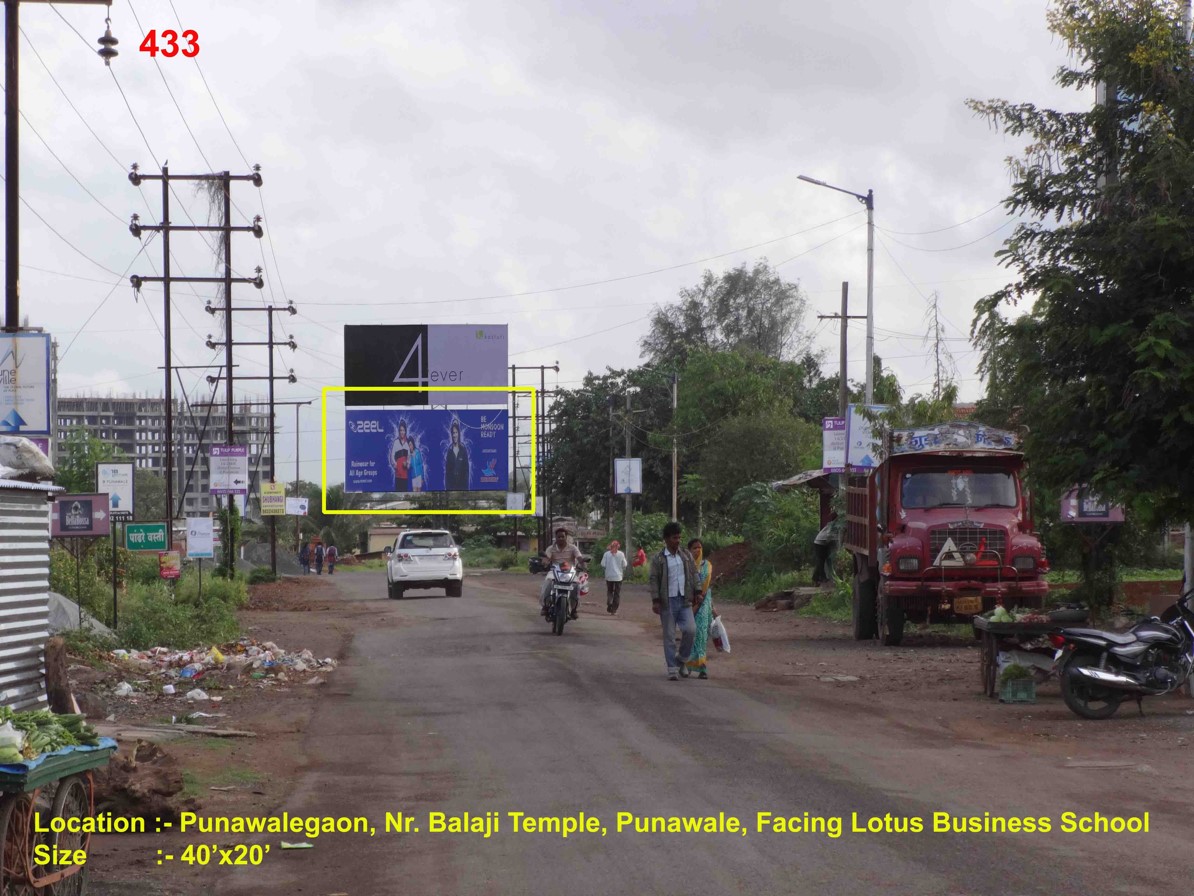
<point>79,516</point>
<point>273,499</point>
<point>833,445</point>
<point>229,470</point>
<point>423,450</point>
<point>863,450</point>
<point>117,480</point>
<point>25,383</point>
<point>200,538</point>
<point>628,475</point>
<point>420,355</point>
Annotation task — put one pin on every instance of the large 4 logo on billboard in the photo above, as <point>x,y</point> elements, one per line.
<point>425,450</point>
<point>419,356</point>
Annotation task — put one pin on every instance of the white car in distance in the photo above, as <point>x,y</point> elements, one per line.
<point>424,558</point>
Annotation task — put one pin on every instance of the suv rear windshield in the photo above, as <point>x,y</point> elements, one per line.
<point>427,540</point>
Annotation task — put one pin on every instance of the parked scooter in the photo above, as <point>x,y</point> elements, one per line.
<point>1099,670</point>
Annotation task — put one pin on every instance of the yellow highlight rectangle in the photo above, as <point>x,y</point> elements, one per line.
<point>323,481</point>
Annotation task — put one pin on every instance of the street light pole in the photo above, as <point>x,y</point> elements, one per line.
<point>869,201</point>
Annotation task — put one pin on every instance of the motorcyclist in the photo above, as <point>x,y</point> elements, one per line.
<point>558,553</point>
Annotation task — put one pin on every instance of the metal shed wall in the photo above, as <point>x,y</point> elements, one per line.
<point>24,593</point>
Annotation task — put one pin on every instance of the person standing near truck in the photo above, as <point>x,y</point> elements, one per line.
<point>824,547</point>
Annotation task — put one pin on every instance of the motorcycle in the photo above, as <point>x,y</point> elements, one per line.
<point>1099,670</point>
<point>567,585</point>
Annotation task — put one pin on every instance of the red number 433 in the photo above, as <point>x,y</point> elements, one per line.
<point>169,45</point>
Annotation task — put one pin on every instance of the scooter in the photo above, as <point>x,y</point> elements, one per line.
<point>1099,670</point>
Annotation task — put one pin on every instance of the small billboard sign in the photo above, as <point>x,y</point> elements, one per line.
<point>79,516</point>
<point>229,471</point>
<point>833,445</point>
<point>170,564</point>
<point>628,475</point>
<point>200,538</point>
<point>863,451</point>
<point>273,499</point>
<point>296,506</point>
<point>1082,505</point>
<point>25,383</point>
<point>117,481</point>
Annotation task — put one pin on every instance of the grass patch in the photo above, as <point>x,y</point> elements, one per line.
<point>361,565</point>
<point>835,605</point>
<point>1126,574</point>
<point>757,585</point>
<point>89,646</point>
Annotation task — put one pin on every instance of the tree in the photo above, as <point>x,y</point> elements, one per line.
<point>150,493</point>
<point>752,310</point>
<point>81,451</point>
<point>757,447</point>
<point>1111,402</point>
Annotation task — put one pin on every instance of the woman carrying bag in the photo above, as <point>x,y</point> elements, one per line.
<point>702,607</point>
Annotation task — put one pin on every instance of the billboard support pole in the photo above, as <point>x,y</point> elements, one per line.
<point>115,620</point>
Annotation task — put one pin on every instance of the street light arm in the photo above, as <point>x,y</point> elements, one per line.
<point>865,198</point>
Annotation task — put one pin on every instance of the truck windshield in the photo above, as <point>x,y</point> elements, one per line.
<point>958,488</point>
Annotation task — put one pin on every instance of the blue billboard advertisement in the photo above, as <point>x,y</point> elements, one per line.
<point>425,450</point>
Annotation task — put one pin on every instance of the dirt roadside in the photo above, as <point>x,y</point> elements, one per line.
<point>928,690</point>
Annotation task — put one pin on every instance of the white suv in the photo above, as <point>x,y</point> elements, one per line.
<point>424,558</point>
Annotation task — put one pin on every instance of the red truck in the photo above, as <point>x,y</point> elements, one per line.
<point>941,531</point>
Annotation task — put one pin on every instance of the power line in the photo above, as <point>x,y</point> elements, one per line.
<point>943,229</point>
<point>960,245</point>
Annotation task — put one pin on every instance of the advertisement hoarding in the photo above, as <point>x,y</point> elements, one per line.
<point>25,383</point>
<point>229,470</point>
<point>833,445</point>
<point>117,481</point>
<point>296,506</point>
<point>79,516</point>
<point>200,540</point>
<point>421,355</point>
<point>417,450</point>
<point>628,475</point>
<point>863,450</point>
<point>170,564</point>
<point>273,499</point>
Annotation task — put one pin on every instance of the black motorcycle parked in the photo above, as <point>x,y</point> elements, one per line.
<point>1099,670</point>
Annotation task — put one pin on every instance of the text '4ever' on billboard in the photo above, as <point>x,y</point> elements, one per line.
<point>426,450</point>
<point>417,355</point>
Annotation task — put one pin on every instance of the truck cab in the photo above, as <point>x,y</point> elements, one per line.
<point>941,531</point>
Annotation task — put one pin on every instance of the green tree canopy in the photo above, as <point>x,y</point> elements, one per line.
<point>744,309</point>
<point>1106,259</point>
<point>80,453</point>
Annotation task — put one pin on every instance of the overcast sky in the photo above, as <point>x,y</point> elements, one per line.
<point>420,155</point>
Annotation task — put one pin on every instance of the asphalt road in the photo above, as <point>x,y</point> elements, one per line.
<point>471,705</point>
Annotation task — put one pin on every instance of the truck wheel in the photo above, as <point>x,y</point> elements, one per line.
<point>891,624</point>
<point>862,609</point>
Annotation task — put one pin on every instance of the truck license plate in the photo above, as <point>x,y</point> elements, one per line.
<point>968,606</point>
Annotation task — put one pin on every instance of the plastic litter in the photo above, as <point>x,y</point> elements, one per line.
<point>197,694</point>
<point>124,689</point>
<point>167,689</point>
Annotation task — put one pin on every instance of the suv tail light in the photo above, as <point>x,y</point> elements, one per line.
<point>451,555</point>
<point>403,557</point>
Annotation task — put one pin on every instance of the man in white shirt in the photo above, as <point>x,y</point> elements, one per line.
<point>614,564</point>
<point>674,592</point>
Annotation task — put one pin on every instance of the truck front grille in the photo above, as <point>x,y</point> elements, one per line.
<point>969,539</point>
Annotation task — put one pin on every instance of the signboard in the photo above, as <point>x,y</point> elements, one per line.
<point>43,443</point>
<point>953,436</point>
<point>296,506</point>
<point>146,536</point>
<point>425,451</point>
<point>420,355</point>
<point>628,475</point>
<point>117,481</point>
<point>1082,505</point>
<point>79,516</point>
<point>833,445</point>
<point>169,564</point>
<point>863,450</point>
<point>539,506</point>
<point>229,470</point>
<point>25,383</point>
<point>200,538</point>
<point>516,500</point>
<point>273,499</point>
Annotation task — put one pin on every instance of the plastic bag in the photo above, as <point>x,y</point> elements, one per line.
<point>10,738</point>
<point>717,634</point>
<point>583,580</point>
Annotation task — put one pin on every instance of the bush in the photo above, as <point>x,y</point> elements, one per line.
<point>507,559</point>
<point>260,575</point>
<point>153,617</point>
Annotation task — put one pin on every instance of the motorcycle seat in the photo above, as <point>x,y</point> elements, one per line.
<point>1106,636</point>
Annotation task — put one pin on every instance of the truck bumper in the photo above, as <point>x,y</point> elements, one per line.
<point>940,599</point>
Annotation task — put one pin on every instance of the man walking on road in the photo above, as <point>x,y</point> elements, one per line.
<point>614,564</point>
<point>674,591</point>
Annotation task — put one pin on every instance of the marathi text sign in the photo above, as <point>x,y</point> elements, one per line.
<point>79,516</point>
<point>833,445</point>
<point>146,537</point>
<point>229,470</point>
<point>425,451</point>
<point>170,564</point>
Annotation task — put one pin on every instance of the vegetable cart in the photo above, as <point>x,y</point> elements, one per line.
<point>992,634</point>
<point>56,785</point>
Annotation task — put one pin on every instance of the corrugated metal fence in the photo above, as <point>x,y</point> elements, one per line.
<point>24,592</point>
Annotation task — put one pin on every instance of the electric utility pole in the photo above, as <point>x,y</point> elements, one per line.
<point>136,228</point>
<point>843,393</point>
<point>273,424</point>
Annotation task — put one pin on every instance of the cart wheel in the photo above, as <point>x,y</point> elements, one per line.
<point>73,800</point>
<point>14,834</point>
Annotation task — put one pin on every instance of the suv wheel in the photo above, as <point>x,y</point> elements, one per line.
<point>454,589</point>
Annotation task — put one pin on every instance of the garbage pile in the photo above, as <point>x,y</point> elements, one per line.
<point>263,662</point>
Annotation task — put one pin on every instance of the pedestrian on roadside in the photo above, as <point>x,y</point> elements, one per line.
<point>702,607</point>
<point>332,555</point>
<point>305,558</point>
<point>640,559</point>
<point>824,547</point>
<point>614,564</point>
<point>319,559</point>
<point>674,588</point>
